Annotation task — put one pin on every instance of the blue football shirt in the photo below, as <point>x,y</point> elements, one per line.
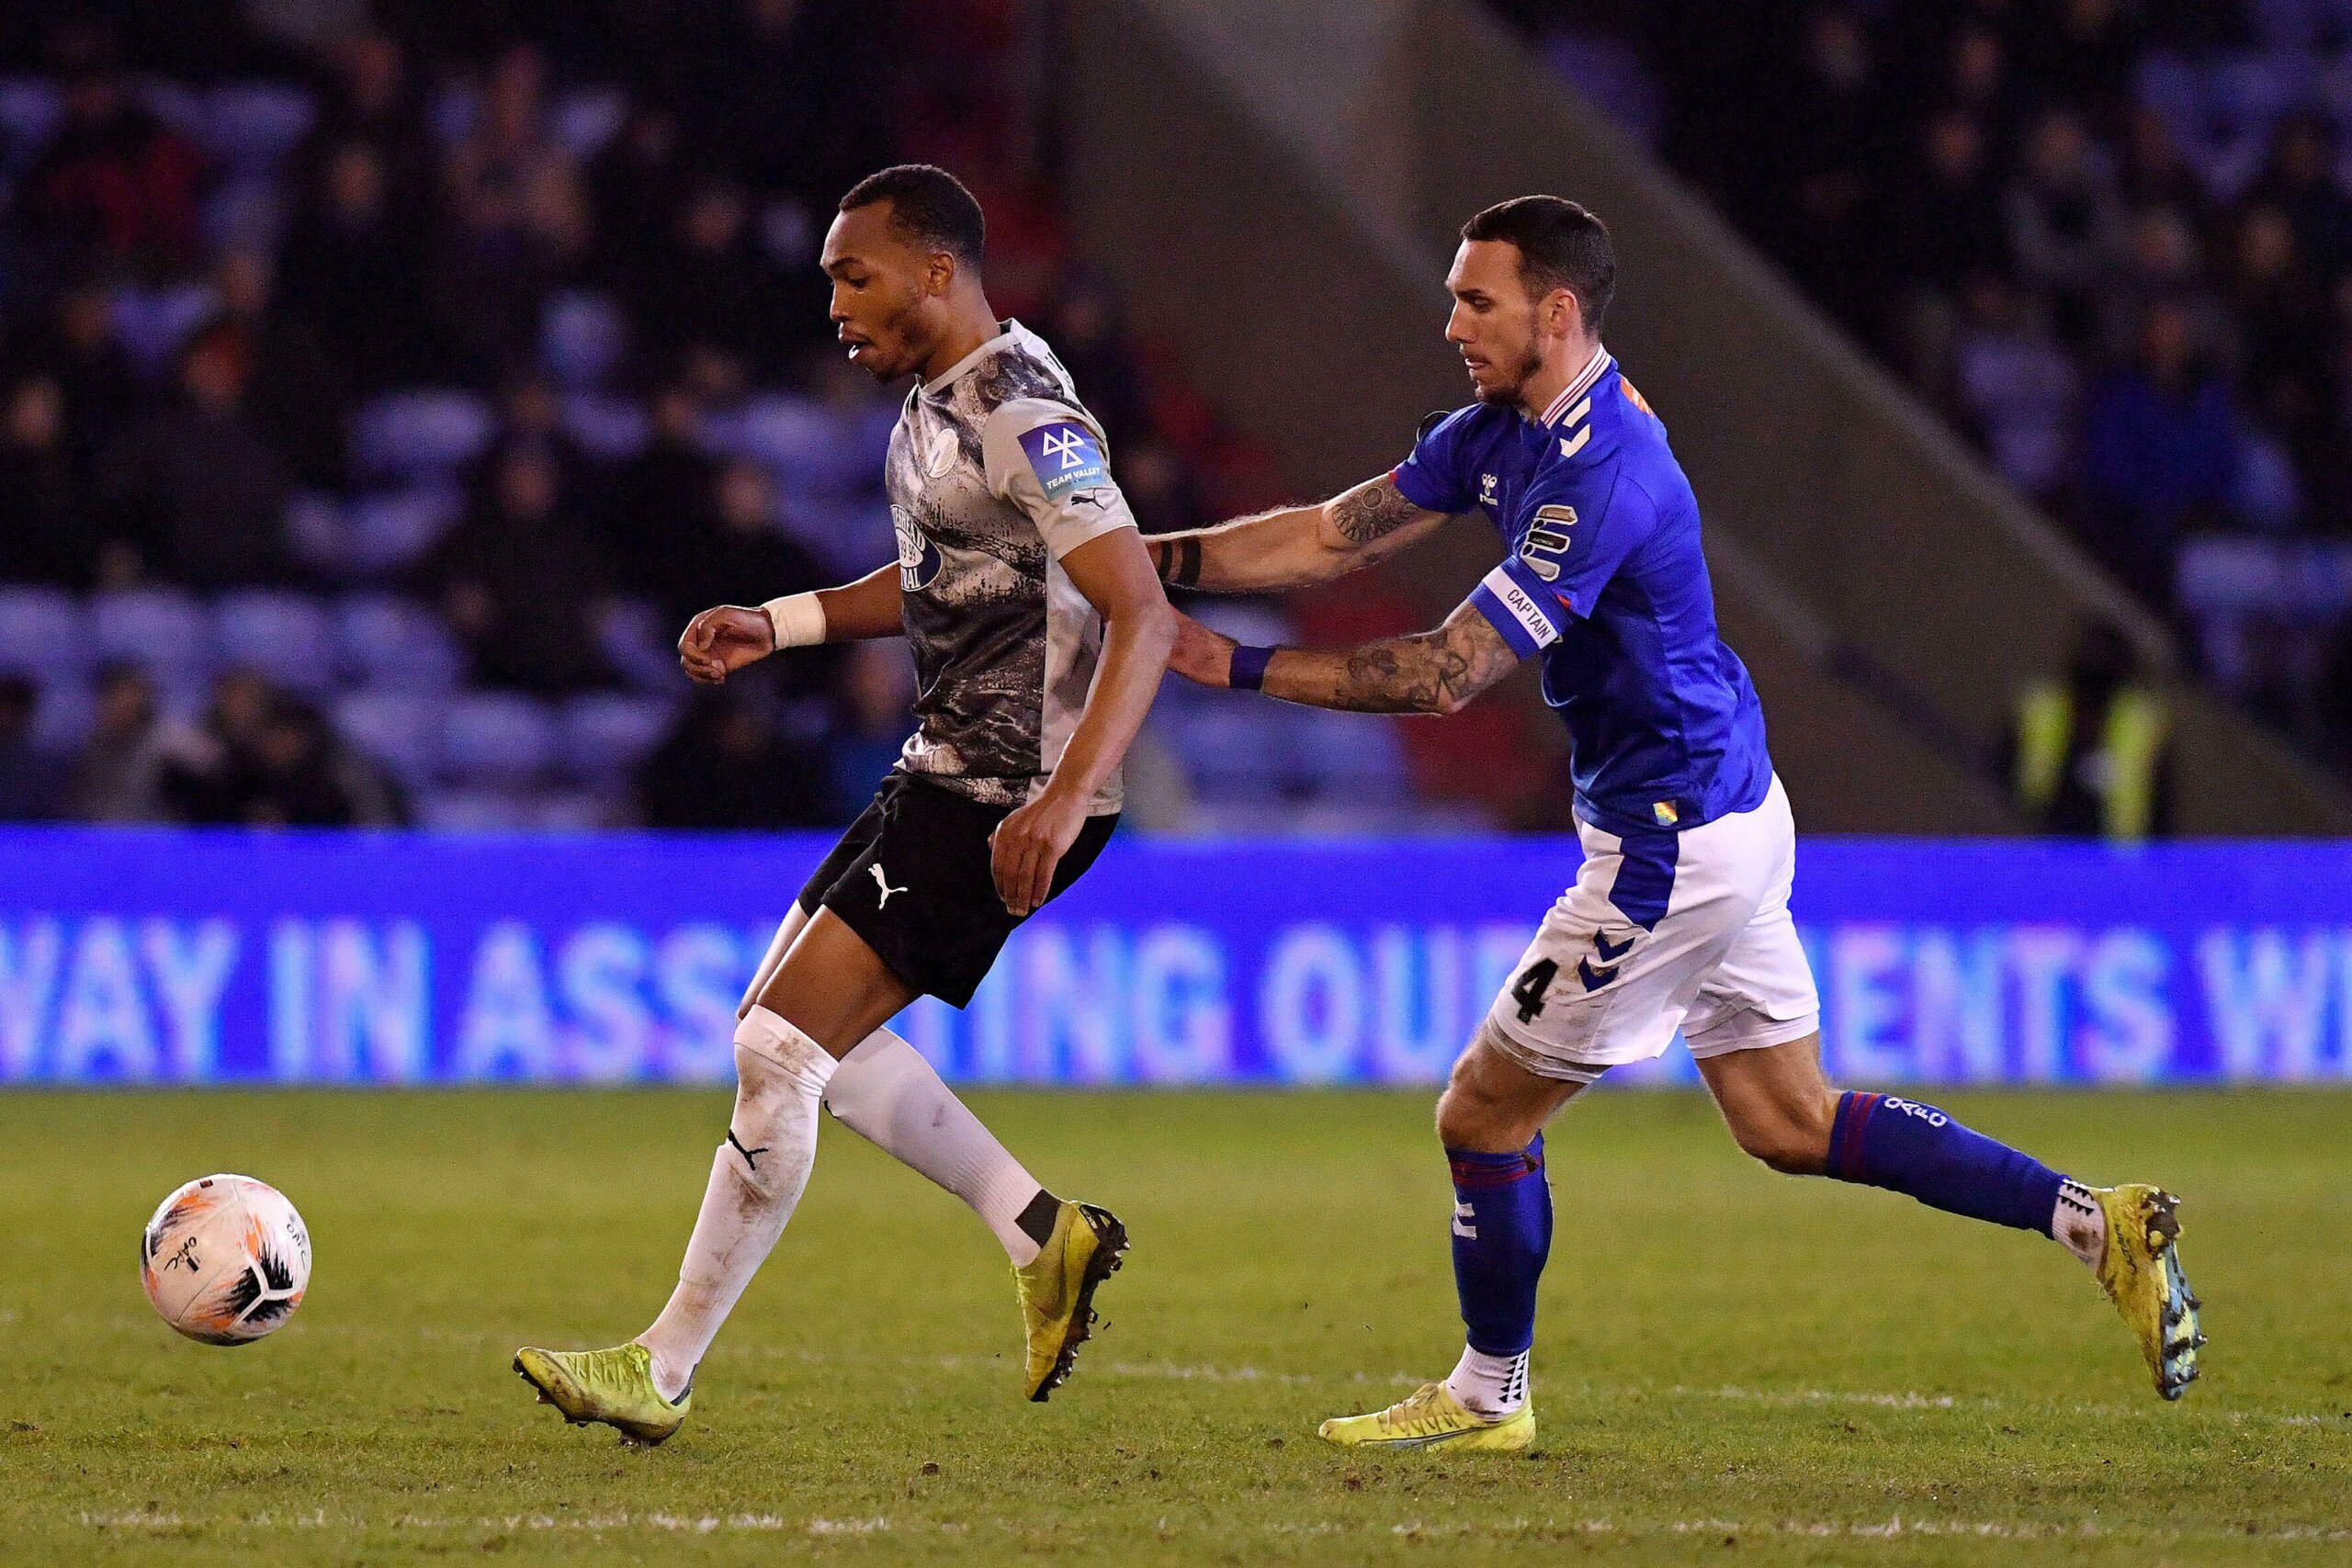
<point>1605,580</point>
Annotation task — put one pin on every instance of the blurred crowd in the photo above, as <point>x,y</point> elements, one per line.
<point>376,407</point>
<point>2111,239</point>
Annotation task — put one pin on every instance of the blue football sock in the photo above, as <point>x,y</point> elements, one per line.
<point>1881,1140</point>
<point>1502,1232</point>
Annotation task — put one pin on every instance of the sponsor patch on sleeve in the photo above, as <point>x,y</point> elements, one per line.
<point>1066,458</point>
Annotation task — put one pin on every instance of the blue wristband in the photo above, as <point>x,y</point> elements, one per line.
<point>1249,667</point>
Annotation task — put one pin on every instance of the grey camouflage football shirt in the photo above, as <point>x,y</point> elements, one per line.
<point>996,471</point>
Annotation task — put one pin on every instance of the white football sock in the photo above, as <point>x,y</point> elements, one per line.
<point>2078,1223</point>
<point>1489,1386</point>
<point>756,1182</point>
<point>886,1093</point>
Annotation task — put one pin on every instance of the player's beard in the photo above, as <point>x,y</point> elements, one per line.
<point>1530,361</point>
<point>900,351</point>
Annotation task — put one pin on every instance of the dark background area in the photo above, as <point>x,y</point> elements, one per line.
<point>375,409</point>
<point>2108,240</point>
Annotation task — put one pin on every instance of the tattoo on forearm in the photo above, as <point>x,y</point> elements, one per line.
<point>1435,671</point>
<point>1371,512</point>
<point>1178,560</point>
<point>1413,676</point>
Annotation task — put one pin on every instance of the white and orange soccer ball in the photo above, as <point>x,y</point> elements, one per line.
<point>225,1259</point>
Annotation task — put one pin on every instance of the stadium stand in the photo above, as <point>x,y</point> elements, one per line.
<point>427,382</point>
<point>1893,597</point>
<point>2109,239</point>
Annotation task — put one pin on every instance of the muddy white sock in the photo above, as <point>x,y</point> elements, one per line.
<point>756,1179</point>
<point>888,1094</point>
<point>2078,1223</point>
<point>1489,1386</point>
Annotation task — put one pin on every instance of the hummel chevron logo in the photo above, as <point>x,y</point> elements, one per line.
<point>1608,954</point>
<point>1067,444</point>
<point>883,883</point>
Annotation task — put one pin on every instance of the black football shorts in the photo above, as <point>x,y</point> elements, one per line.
<point>914,877</point>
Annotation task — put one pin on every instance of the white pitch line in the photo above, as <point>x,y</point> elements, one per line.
<point>1906,1401</point>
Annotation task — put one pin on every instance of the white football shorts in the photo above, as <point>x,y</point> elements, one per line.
<point>1667,931</point>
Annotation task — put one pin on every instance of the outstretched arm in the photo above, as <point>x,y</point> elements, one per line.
<point>1297,545</point>
<point>726,637</point>
<point>1431,672</point>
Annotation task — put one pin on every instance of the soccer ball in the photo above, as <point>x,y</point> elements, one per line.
<point>225,1259</point>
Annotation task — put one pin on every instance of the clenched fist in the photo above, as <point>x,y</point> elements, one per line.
<point>722,640</point>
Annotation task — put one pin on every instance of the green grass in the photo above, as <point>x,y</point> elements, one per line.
<point>1731,1365</point>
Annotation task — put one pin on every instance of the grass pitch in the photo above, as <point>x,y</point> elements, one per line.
<point>1731,1365</point>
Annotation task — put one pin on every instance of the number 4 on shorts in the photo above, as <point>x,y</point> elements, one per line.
<point>1528,988</point>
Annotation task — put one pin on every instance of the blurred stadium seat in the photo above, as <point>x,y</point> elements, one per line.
<point>582,339</point>
<point>473,811</point>
<point>604,736</point>
<point>811,449</point>
<point>252,126</point>
<point>639,644</point>
<point>285,636</point>
<point>389,644</point>
<point>1348,759</point>
<point>495,739</point>
<point>401,730</point>
<point>163,630</point>
<point>151,324</point>
<point>390,529</point>
<point>852,537</point>
<point>607,428</point>
<point>43,634</point>
<point>420,436</point>
<point>62,722</point>
<point>583,120</point>
<point>30,110</point>
<point>1233,752</point>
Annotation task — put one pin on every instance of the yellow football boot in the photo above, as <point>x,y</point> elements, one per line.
<point>2141,1273</point>
<point>1057,1291</point>
<point>1432,1418</point>
<point>614,1386</point>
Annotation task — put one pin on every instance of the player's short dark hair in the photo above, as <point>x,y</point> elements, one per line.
<point>928,203</point>
<point>1562,244</point>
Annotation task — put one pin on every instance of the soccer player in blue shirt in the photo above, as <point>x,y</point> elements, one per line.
<point>1678,918</point>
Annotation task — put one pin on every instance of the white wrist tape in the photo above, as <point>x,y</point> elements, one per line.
<point>797,620</point>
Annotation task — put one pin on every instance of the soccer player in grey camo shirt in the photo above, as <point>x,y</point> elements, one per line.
<point>1040,633</point>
